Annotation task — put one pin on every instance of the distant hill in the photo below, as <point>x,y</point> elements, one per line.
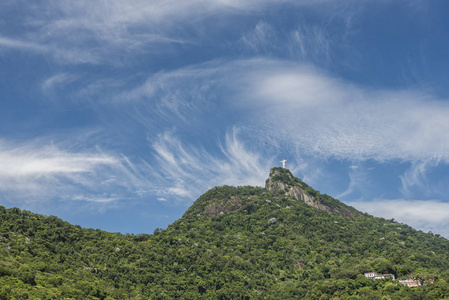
<point>284,241</point>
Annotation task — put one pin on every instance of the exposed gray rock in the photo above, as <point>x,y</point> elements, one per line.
<point>228,205</point>
<point>283,181</point>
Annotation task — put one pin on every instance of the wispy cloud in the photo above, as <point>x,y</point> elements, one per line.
<point>37,172</point>
<point>49,160</point>
<point>261,40</point>
<point>21,45</point>
<point>104,199</point>
<point>305,109</point>
<point>59,80</point>
<point>187,171</point>
<point>419,180</point>
<point>325,116</point>
<point>302,43</point>
<point>98,32</point>
<point>310,43</point>
<point>59,52</point>
<point>172,96</point>
<point>429,215</point>
<point>358,179</point>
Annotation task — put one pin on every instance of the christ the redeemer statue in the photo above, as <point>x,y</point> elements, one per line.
<point>283,163</point>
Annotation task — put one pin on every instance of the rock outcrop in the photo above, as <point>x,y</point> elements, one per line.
<point>278,180</point>
<point>282,181</point>
<point>228,205</point>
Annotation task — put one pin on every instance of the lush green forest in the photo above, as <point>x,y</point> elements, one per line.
<point>232,243</point>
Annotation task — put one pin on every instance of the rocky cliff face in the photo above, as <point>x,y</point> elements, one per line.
<point>282,181</point>
<point>228,205</point>
<point>279,181</point>
<point>299,194</point>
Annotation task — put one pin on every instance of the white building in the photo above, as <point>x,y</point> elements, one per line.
<point>375,276</point>
<point>411,282</point>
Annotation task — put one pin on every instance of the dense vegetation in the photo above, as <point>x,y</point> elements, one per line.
<point>232,243</point>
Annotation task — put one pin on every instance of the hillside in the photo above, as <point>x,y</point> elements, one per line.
<point>286,240</point>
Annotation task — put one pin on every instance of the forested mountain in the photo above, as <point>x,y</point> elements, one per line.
<point>284,241</point>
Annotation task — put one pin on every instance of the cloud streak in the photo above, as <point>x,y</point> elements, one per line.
<point>305,109</point>
<point>57,81</point>
<point>428,215</point>
<point>186,171</point>
<point>21,45</point>
<point>37,172</point>
<point>302,107</point>
<point>104,31</point>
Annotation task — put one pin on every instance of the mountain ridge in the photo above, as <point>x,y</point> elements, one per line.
<point>282,180</point>
<point>232,243</point>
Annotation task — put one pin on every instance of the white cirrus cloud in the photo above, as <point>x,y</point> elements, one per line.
<point>305,109</point>
<point>36,172</point>
<point>47,161</point>
<point>94,32</point>
<point>359,180</point>
<point>6,42</point>
<point>100,199</point>
<point>262,39</point>
<point>187,171</point>
<point>425,215</point>
<point>57,81</point>
<point>326,116</point>
<point>61,53</point>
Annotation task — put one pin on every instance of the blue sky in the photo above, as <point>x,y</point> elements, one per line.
<point>119,114</point>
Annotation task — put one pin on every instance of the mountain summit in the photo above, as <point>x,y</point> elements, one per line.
<point>281,180</point>
<point>282,241</point>
<point>281,183</point>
